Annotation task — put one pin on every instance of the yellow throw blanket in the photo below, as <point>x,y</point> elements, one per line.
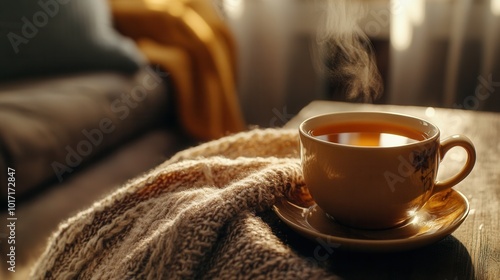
<point>197,216</point>
<point>189,40</point>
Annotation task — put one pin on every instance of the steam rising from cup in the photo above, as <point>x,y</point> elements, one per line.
<point>291,51</point>
<point>350,63</point>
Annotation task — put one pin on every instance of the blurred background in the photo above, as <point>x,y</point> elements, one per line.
<point>442,53</point>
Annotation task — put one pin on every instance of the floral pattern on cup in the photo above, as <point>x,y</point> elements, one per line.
<point>424,162</point>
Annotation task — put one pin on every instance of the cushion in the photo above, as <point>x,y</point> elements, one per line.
<point>60,36</point>
<point>53,126</point>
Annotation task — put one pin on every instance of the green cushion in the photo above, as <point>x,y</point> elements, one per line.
<point>60,36</point>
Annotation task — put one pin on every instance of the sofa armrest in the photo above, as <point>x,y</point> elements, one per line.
<point>52,126</point>
<point>190,41</point>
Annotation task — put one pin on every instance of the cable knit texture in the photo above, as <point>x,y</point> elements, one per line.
<point>193,217</point>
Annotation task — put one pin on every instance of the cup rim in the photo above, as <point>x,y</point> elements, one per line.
<point>430,139</point>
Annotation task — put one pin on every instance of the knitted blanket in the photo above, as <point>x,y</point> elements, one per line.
<point>193,217</point>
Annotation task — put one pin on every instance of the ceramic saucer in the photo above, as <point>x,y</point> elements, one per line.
<point>440,216</point>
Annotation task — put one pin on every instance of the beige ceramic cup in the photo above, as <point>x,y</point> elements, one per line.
<point>376,187</point>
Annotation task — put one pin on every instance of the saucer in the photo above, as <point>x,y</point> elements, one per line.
<point>439,217</point>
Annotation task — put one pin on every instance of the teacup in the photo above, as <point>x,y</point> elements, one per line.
<point>374,170</point>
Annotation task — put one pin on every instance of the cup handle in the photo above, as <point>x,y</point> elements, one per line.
<point>445,146</point>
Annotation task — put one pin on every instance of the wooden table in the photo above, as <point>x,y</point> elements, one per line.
<point>473,250</point>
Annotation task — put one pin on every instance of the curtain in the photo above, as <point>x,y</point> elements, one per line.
<point>442,52</point>
<point>276,76</point>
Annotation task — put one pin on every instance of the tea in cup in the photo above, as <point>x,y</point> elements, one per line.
<point>375,170</point>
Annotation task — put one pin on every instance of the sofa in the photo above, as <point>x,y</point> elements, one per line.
<point>94,93</point>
